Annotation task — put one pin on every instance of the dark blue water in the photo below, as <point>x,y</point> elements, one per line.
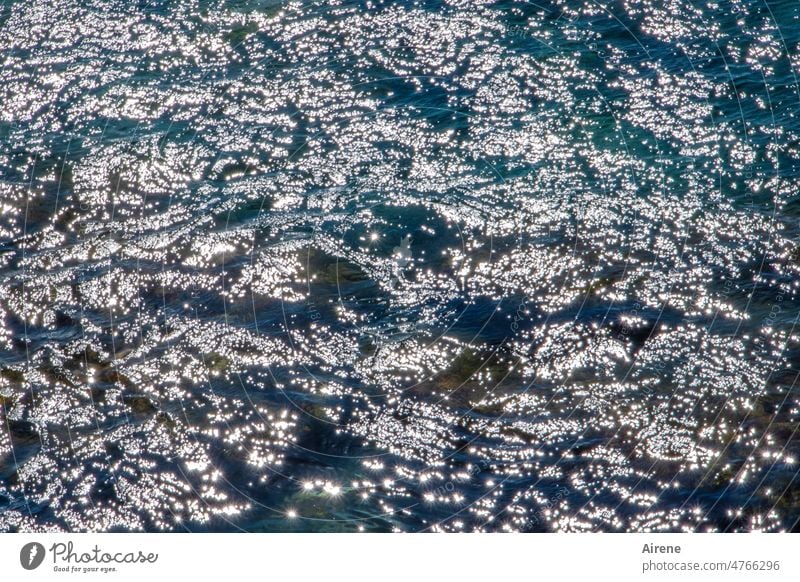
<point>399,266</point>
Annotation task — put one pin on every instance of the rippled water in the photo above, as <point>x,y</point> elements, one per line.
<point>414,266</point>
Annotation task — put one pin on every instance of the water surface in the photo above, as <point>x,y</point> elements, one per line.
<point>399,266</point>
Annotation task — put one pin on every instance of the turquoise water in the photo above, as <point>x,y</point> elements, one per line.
<point>399,266</point>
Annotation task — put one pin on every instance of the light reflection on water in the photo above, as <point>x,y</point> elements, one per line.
<point>444,266</point>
